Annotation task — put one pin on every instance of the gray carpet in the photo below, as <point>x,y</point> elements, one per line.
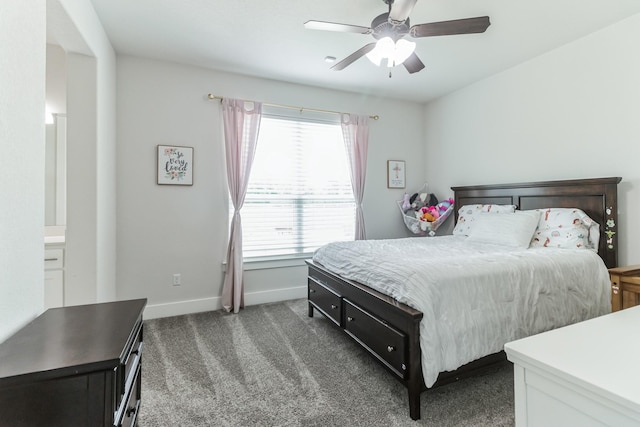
<point>272,365</point>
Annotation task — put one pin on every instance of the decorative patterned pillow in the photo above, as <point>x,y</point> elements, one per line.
<point>566,228</point>
<point>468,213</point>
<point>509,229</point>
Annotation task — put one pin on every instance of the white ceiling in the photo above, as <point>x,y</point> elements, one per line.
<point>267,38</point>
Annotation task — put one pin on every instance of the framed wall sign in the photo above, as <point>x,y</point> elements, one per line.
<point>395,174</point>
<point>175,165</point>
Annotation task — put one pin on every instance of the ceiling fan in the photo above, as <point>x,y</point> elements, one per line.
<point>390,28</point>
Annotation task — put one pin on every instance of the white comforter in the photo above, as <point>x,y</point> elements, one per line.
<point>475,297</point>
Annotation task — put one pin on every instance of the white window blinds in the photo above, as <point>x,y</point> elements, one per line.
<point>299,195</point>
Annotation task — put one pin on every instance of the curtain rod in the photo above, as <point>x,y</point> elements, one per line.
<point>212,96</point>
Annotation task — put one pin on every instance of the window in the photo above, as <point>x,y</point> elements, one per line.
<point>299,195</point>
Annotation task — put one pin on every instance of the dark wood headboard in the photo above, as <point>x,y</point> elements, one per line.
<point>597,197</point>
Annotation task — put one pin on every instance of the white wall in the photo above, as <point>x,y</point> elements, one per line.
<point>22,131</point>
<point>56,103</point>
<point>91,144</point>
<point>164,230</point>
<point>571,113</point>
<point>82,181</point>
<point>23,30</point>
<point>56,80</point>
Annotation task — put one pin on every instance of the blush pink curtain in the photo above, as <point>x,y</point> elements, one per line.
<point>241,126</point>
<point>355,131</point>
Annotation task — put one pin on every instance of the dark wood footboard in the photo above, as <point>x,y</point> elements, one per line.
<point>390,331</point>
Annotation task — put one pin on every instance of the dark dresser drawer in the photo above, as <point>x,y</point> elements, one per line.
<point>129,362</point>
<point>326,300</point>
<point>382,340</point>
<point>128,376</point>
<point>130,414</point>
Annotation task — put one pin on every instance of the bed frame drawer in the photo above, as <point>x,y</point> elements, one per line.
<point>326,300</point>
<point>382,340</point>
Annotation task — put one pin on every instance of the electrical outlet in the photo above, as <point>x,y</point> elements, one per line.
<point>176,279</point>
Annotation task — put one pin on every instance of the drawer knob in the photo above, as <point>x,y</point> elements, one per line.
<point>391,348</point>
<point>312,291</point>
<point>350,319</point>
<point>333,306</point>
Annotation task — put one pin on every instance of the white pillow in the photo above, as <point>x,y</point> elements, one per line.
<point>566,228</point>
<point>510,229</point>
<point>468,213</point>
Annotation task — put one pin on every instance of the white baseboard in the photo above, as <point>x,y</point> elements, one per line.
<point>178,308</point>
<point>255,298</point>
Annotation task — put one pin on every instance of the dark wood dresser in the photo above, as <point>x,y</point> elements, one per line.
<point>74,366</point>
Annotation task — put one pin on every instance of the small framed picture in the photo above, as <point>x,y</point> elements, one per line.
<point>395,174</point>
<point>175,165</point>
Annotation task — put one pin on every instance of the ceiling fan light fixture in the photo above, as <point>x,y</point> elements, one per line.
<point>382,49</point>
<point>394,52</point>
<point>389,29</point>
<point>404,49</point>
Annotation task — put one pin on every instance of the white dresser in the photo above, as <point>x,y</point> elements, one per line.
<point>586,374</point>
<point>53,275</point>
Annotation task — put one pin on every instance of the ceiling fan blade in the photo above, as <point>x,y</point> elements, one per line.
<point>400,10</point>
<point>332,26</point>
<point>413,63</point>
<point>448,28</point>
<point>353,57</point>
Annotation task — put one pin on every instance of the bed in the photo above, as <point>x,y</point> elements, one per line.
<point>390,328</point>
